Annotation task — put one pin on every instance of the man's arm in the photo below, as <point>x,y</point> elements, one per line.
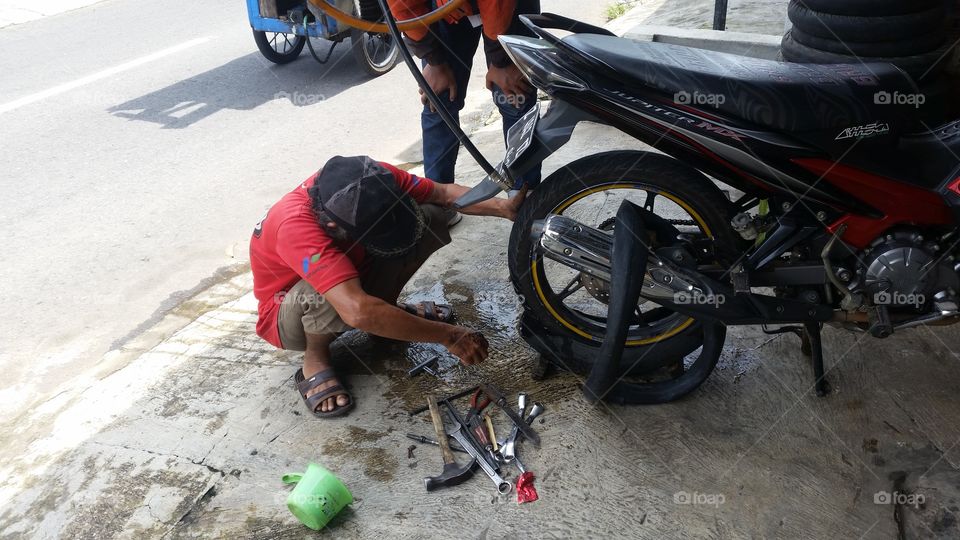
<point>374,316</point>
<point>447,194</point>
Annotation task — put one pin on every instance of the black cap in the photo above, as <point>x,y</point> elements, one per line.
<point>362,196</point>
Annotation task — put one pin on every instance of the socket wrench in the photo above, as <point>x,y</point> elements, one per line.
<point>509,450</point>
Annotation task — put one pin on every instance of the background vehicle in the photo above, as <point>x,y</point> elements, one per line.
<point>281,29</point>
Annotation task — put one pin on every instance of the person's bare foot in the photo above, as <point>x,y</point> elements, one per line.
<point>331,403</point>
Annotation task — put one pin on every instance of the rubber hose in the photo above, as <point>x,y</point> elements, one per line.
<point>368,26</point>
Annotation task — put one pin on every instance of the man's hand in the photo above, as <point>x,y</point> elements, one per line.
<point>446,194</point>
<point>512,205</point>
<point>510,81</point>
<point>467,345</point>
<point>440,78</point>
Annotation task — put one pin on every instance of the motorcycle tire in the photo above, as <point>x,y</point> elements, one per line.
<point>918,66</point>
<point>903,47</point>
<point>647,171</point>
<point>866,29</point>
<point>869,8</point>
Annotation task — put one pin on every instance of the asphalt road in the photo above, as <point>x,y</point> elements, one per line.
<point>140,141</point>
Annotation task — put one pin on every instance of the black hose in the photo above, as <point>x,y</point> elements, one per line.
<point>433,97</point>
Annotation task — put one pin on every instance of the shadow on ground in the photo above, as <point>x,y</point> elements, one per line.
<point>244,84</point>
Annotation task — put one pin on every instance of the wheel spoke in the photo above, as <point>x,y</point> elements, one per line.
<point>648,203</point>
<point>572,287</point>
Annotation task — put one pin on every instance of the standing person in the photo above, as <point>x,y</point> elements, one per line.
<point>447,49</point>
<point>334,254</point>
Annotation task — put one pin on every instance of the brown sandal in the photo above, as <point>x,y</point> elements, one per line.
<point>313,402</point>
<point>429,311</point>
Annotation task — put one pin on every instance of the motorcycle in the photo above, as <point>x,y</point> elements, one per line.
<point>846,204</point>
<point>793,195</point>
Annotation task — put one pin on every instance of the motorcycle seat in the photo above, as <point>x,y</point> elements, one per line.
<point>779,95</point>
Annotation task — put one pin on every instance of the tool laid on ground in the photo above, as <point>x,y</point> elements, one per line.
<point>424,366</point>
<point>501,401</point>
<point>526,491</point>
<point>494,446</point>
<point>522,410</point>
<point>451,397</point>
<point>472,446</point>
<point>452,472</point>
<point>509,448</point>
<point>433,442</point>
<point>478,402</point>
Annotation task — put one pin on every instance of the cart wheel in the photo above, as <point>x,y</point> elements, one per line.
<point>376,53</point>
<point>279,48</point>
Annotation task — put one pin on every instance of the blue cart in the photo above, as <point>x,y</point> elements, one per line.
<point>281,28</point>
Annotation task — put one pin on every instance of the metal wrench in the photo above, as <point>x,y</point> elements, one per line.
<point>509,450</point>
<point>468,444</point>
<point>522,410</point>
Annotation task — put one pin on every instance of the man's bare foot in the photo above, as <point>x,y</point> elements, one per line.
<point>331,403</point>
<point>322,393</point>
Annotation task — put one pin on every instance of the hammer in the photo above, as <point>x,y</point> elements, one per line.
<point>452,473</point>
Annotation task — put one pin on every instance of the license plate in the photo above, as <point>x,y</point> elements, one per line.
<point>520,135</point>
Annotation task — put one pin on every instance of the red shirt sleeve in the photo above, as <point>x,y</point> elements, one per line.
<point>306,248</point>
<point>418,188</point>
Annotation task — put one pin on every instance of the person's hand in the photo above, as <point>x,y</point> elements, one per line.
<point>467,345</point>
<point>510,81</point>
<point>440,78</point>
<point>512,205</point>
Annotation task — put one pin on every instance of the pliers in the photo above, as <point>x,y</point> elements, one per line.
<point>478,402</point>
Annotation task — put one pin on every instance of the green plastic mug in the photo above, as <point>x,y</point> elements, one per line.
<point>317,497</point>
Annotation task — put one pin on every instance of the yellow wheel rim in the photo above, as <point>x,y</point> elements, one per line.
<point>534,267</point>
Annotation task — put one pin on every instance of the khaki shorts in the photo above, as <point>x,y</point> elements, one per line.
<point>305,311</point>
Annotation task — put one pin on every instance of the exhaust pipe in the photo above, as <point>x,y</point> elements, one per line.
<point>571,244</point>
<point>590,251</point>
<point>683,290</point>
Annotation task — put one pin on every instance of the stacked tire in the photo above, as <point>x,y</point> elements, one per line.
<point>909,34</point>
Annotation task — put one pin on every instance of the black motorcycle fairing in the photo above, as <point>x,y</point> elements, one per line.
<point>761,91</point>
<point>722,149</point>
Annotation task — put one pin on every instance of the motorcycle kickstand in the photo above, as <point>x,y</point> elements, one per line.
<point>812,346</point>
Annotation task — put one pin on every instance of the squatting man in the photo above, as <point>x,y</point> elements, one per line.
<point>334,254</point>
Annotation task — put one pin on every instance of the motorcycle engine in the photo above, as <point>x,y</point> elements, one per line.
<point>904,270</point>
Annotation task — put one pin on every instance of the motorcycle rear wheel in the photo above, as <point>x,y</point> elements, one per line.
<point>676,188</point>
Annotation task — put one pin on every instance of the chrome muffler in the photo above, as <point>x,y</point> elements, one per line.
<point>571,244</point>
<point>589,250</point>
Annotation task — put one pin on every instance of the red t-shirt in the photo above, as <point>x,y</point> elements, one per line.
<point>289,245</point>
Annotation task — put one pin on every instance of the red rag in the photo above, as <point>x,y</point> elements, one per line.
<point>526,492</point>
